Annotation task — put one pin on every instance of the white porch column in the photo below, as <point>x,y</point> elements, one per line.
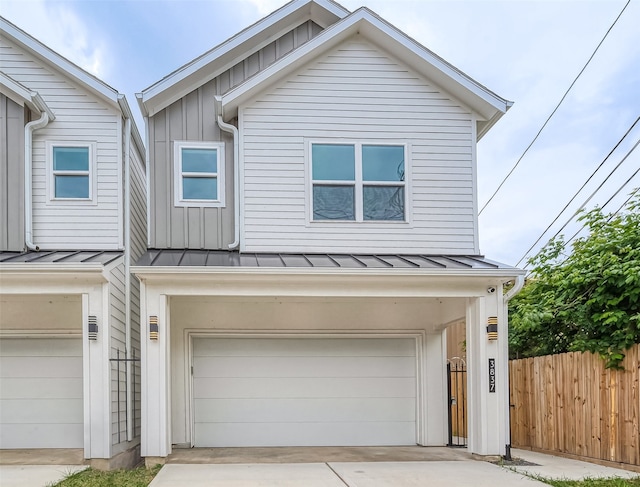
<point>96,374</point>
<point>488,384</point>
<point>156,394</point>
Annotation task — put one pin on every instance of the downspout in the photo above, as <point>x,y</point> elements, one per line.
<point>517,287</point>
<point>29,128</point>
<point>233,130</point>
<point>127,266</point>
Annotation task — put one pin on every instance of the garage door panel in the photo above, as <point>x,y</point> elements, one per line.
<point>43,435</point>
<point>283,347</point>
<point>32,388</point>
<point>301,387</point>
<point>43,347</point>
<point>304,366</point>
<point>324,410</point>
<point>40,367</point>
<point>308,391</point>
<point>13,411</point>
<point>304,434</point>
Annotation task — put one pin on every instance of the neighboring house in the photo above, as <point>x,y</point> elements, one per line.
<point>73,217</point>
<point>312,232</point>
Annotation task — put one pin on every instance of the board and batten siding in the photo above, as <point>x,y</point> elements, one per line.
<point>12,122</point>
<point>357,92</point>
<point>193,118</point>
<point>80,117</point>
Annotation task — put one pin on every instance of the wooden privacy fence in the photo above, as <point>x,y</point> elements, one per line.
<point>570,403</point>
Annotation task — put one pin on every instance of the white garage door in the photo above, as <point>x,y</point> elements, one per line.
<point>41,393</point>
<point>304,392</point>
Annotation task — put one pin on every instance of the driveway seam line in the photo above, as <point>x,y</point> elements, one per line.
<point>336,474</point>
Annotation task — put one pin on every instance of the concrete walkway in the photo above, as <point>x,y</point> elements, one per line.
<point>35,475</point>
<point>550,466</point>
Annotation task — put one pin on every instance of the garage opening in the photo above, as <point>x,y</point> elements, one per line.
<point>41,403</point>
<point>303,391</point>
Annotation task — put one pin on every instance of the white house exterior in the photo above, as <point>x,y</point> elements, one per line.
<point>73,202</point>
<point>312,233</point>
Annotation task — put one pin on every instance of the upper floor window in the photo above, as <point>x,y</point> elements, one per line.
<point>358,182</point>
<point>71,172</point>
<point>199,173</point>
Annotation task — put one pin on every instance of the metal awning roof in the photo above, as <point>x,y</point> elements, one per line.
<point>222,258</point>
<point>60,257</point>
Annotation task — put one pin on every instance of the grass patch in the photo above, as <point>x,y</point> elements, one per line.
<point>138,477</point>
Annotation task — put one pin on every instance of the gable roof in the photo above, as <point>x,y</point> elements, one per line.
<point>58,62</point>
<point>487,106</point>
<point>224,56</point>
<point>61,64</point>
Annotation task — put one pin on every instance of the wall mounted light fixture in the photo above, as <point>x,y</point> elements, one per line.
<point>92,327</point>
<point>153,328</point>
<point>492,328</point>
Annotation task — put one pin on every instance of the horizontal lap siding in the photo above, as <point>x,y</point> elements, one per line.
<point>357,92</point>
<point>118,343</point>
<point>80,117</point>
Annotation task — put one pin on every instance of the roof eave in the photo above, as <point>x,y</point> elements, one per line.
<point>224,56</point>
<point>59,63</point>
<point>485,104</point>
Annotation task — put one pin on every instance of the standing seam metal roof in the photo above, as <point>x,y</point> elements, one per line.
<point>221,258</point>
<point>103,257</point>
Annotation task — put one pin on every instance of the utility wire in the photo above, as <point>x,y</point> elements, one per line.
<point>554,110</point>
<point>594,193</point>
<point>609,201</point>
<point>578,192</point>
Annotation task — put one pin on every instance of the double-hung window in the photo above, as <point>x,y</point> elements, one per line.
<point>199,174</point>
<point>71,172</point>
<point>358,181</point>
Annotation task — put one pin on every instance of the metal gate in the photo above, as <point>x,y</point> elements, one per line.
<point>457,390</point>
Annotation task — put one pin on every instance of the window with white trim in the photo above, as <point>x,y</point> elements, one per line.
<point>71,169</point>
<point>358,181</point>
<point>199,174</point>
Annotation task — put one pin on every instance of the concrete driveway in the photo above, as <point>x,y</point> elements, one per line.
<point>378,474</point>
<point>364,467</point>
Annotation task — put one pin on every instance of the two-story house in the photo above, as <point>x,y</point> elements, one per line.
<point>313,230</point>
<point>72,219</point>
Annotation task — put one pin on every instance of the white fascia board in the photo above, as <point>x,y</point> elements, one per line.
<point>226,55</point>
<point>207,281</point>
<point>174,272</point>
<point>478,98</point>
<point>59,62</point>
<point>126,111</point>
<point>23,95</point>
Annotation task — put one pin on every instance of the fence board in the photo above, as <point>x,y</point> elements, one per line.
<point>569,403</point>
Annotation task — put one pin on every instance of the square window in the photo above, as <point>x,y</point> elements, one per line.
<point>358,182</point>
<point>71,172</point>
<point>199,174</point>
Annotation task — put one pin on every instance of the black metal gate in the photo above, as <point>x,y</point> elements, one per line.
<point>457,393</point>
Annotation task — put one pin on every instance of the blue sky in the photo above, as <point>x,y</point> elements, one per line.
<point>525,51</point>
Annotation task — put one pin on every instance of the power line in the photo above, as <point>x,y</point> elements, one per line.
<point>578,192</point>
<point>612,214</point>
<point>594,193</point>
<point>554,110</point>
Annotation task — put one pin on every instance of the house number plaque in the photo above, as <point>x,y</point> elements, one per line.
<point>492,375</point>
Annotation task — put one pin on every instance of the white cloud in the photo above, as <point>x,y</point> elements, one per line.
<point>57,25</point>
